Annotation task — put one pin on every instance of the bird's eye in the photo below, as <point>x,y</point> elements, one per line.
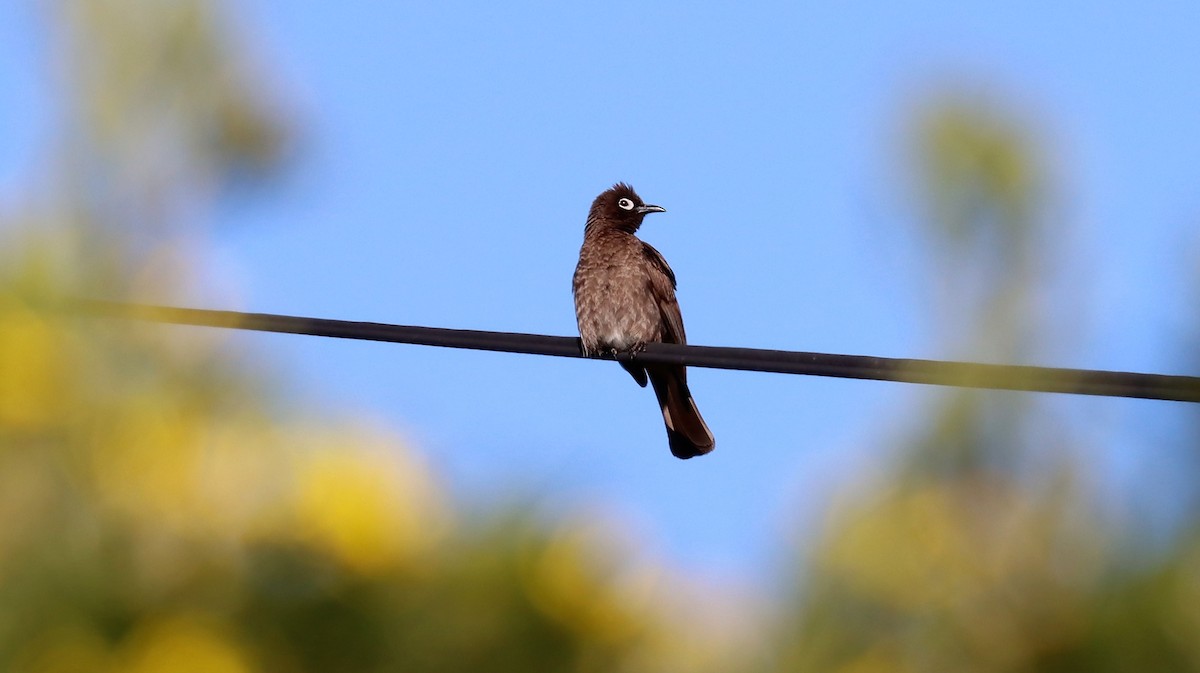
<point>625,204</point>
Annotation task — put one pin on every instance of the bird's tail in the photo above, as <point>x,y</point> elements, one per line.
<point>687,433</point>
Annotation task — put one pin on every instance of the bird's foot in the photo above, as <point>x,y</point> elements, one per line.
<point>625,354</point>
<point>629,353</point>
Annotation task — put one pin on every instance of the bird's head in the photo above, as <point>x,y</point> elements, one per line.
<point>621,207</point>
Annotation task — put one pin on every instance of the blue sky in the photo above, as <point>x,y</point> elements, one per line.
<point>450,151</point>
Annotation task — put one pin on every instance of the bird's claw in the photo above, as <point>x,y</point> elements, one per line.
<point>624,354</point>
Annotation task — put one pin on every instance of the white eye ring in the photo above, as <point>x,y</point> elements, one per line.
<point>625,204</point>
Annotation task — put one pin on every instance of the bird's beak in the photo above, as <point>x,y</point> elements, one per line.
<point>642,210</point>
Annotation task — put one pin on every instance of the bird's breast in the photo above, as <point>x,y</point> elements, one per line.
<point>614,306</point>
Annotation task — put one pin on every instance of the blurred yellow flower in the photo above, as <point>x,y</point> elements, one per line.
<point>910,551</point>
<point>366,501</point>
<point>33,366</point>
<point>882,657</point>
<point>147,462</point>
<point>183,644</point>
<point>584,579</point>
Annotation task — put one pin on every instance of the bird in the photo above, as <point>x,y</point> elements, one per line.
<point>624,299</point>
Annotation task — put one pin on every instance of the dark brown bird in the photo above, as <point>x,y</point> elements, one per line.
<point>625,299</point>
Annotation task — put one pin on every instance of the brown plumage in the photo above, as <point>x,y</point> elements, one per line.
<point>625,299</point>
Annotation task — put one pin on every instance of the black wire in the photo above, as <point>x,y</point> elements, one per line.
<point>936,372</point>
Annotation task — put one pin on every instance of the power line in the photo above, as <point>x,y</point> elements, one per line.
<point>934,372</point>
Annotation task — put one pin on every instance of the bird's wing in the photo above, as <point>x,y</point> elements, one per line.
<point>656,261</point>
<point>662,285</point>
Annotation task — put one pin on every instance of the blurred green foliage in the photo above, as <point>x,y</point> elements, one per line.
<point>165,509</point>
<point>159,515</point>
<point>976,552</point>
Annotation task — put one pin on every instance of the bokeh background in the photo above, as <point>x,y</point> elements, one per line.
<point>1011,183</point>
